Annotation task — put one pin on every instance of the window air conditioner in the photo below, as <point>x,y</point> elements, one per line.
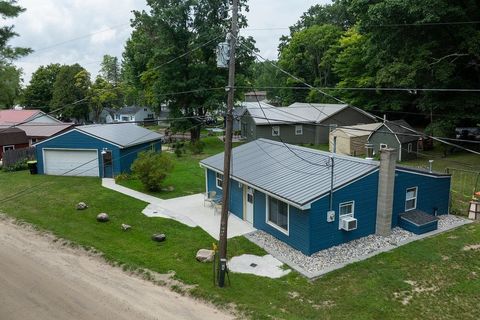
<point>348,223</point>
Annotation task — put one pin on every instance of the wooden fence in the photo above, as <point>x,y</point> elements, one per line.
<point>11,157</point>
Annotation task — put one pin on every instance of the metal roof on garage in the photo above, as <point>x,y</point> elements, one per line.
<point>296,174</point>
<point>122,134</point>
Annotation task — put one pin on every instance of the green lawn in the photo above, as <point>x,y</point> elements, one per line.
<point>446,277</point>
<point>465,170</point>
<point>187,177</point>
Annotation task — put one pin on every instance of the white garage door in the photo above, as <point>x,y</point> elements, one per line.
<point>71,162</point>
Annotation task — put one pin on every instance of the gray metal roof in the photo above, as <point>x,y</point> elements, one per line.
<point>296,174</point>
<point>266,114</point>
<point>122,134</point>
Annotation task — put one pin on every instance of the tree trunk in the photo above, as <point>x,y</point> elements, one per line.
<point>195,134</point>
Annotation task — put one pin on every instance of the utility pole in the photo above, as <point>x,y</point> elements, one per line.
<point>222,247</point>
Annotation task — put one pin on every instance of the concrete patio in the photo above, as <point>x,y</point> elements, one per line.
<point>188,210</point>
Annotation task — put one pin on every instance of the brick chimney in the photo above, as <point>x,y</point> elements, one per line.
<point>386,182</point>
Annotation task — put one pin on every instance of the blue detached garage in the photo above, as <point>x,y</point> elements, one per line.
<point>286,191</point>
<point>95,150</point>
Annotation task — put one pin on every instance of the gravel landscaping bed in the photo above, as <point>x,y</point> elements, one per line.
<point>336,257</point>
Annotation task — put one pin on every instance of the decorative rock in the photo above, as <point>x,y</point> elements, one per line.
<point>126,227</point>
<point>205,255</point>
<point>81,206</point>
<point>103,217</point>
<point>160,237</point>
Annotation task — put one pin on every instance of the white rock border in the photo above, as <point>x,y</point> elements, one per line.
<point>339,256</point>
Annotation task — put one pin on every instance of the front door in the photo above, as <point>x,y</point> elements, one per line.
<point>107,164</point>
<point>249,205</point>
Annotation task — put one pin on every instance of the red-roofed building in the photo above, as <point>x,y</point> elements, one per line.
<point>37,124</point>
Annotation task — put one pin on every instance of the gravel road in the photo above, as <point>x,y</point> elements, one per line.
<point>41,279</point>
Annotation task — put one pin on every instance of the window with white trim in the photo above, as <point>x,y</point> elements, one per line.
<point>346,209</point>
<point>219,180</point>
<point>277,214</point>
<point>383,146</point>
<point>298,129</point>
<point>409,148</point>
<point>275,131</point>
<point>411,198</point>
<point>10,147</point>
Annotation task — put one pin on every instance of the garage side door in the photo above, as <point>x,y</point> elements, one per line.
<point>71,162</point>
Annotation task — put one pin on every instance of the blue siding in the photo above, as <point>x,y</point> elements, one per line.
<point>298,233</point>
<point>236,193</point>
<point>433,192</point>
<point>122,158</point>
<point>409,226</point>
<point>128,155</point>
<point>326,234</point>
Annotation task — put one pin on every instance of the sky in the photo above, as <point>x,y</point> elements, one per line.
<point>82,31</point>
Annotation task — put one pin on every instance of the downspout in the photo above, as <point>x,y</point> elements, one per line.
<point>331,182</point>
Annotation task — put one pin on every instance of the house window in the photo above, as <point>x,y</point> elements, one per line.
<point>219,180</point>
<point>411,199</point>
<point>150,116</point>
<point>275,131</point>
<point>277,214</point>
<point>383,146</point>
<point>10,147</point>
<point>347,209</point>
<point>409,148</point>
<point>145,109</point>
<point>125,118</point>
<point>298,130</point>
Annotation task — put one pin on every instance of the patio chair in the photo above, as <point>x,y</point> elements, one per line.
<point>210,197</point>
<point>217,208</point>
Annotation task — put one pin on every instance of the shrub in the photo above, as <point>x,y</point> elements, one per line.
<point>178,152</point>
<point>197,147</point>
<point>19,166</point>
<point>152,168</point>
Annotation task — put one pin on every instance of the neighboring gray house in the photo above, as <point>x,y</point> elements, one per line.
<point>393,134</point>
<point>238,113</point>
<point>300,122</point>
<point>134,113</point>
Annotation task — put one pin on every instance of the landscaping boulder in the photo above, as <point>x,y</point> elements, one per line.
<point>103,217</point>
<point>159,237</point>
<point>126,227</point>
<point>81,206</point>
<point>205,255</point>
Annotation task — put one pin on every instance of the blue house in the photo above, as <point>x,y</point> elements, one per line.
<point>95,150</point>
<point>286,191</point>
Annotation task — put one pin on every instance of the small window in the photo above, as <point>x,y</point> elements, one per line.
<point>145,109</point>
<point>150,115</point>
<point>10,147</point>
<point>275,131</point>
<point>383,146</point>
<point>409,148</point>
<point>298,130</point>
<point>125,118</point>
<point>277,214</point>
<point>219,180</point>
<point>347,208</point>
<point>411,199</point>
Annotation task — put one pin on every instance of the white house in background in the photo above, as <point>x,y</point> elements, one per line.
<point>133,114</point>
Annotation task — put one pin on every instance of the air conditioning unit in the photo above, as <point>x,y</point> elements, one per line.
<point>348,223</point>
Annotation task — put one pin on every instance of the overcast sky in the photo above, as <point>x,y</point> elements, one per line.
<point>70,31</point>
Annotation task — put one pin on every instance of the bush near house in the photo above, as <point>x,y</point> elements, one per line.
<point>152,168</point>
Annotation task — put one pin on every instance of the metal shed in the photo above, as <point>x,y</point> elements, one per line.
<point>351,140</point>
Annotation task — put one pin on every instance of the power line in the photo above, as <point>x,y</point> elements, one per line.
<point>181,56</point>
<point>409,90</point>
<point>341,101</point>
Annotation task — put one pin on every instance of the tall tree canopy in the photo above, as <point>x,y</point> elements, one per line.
<point>159,59</point>
<point>39,92</point>
<point>9,74</point>
<point>431,44</point>
<point>70,92</point>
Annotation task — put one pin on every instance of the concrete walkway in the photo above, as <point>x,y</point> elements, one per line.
<point>189,210</point>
